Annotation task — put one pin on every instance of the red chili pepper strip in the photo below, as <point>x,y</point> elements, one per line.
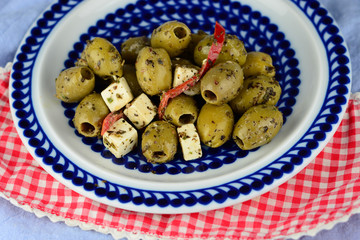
<point>215,49</point>
<point>110,119</point>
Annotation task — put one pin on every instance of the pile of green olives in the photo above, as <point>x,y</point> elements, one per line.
<point>236,100</point>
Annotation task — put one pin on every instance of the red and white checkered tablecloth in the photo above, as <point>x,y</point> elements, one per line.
<point>327,190</point>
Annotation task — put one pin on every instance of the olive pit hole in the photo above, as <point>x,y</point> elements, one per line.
<point>209,95</point>
<point>86,127</point>
<point>158,154</point>
<point>86,73</point>
<point>180,32</point>
<point>239,142</point>
<point>186,118</point>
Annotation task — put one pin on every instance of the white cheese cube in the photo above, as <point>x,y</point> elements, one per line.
<point>190,141</point>
<point>121,138</point>
<point>182,73</point>
<point>141,111</point>
<point>117,94</point>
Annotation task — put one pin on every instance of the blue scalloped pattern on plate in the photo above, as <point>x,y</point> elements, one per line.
<point>198,15</point>
<point>257,32</point>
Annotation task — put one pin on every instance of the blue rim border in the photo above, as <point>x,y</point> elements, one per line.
<point>325,123</point>
<point>257,32</point>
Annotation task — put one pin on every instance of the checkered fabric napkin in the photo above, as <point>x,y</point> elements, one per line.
<point>326,190</point>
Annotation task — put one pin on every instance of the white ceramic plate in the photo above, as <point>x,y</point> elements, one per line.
<point>313,68</point>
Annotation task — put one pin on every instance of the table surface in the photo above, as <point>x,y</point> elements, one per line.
<point>15,18</point>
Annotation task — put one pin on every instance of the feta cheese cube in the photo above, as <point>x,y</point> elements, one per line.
<point>121,138</point>
<point>182,73</point>
<point>190,141</point>
<point>117,94</point>
<point>141,111</point>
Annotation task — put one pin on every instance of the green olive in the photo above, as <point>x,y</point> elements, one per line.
<point>89,115</point>
<point>258,126</point>
<point>153,70</point>
<point>222,83</point>
<point>173,36</point>
<point>131,47</point>
<point>74,83</point>
<point>180,62</point>
<point>103,58</point>
<point>131,79</point>
<point>159,142</point>
<point>232,50</point>
<point>195,39</point>
<point>258,63</point>
<point>181,110</point>
<point>257,90</point>
<point>215,124</point>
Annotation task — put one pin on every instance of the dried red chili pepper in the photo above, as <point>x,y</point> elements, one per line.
<point>215,49</point>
